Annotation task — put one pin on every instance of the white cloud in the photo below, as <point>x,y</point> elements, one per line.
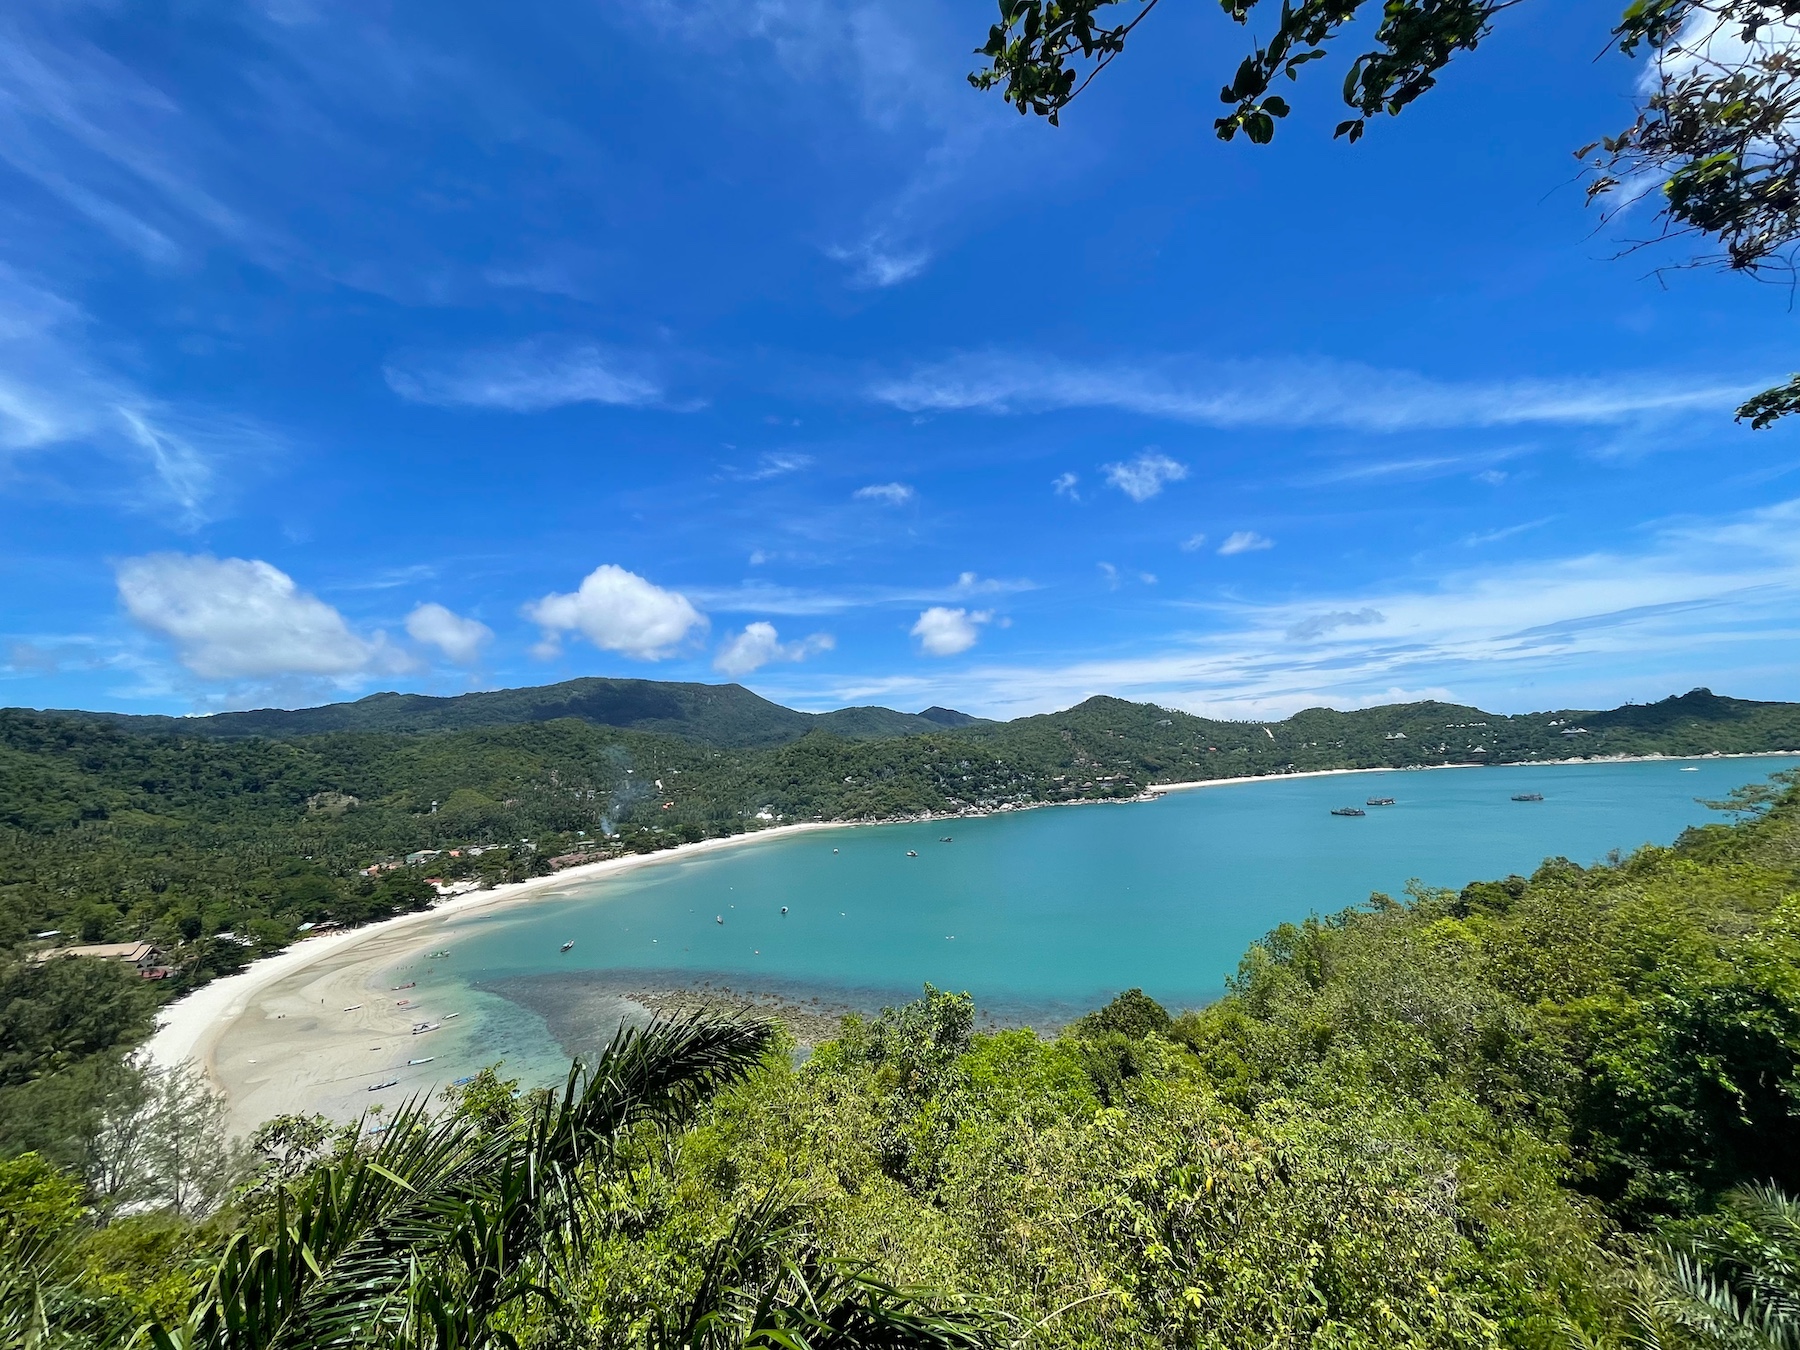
<point>1295,393</point>
<point>1064,485</point>
<point>1109,574</point>
<point>892,494</point>
<point>1142,478</point>
<point>1193,543</point>
<point>760,597</point>
<point>759,644</point>
<point>775,463</point>
<point>458,638</point>
<point>619,611</point>
<point>875,264</point>
<point>1482,537</point>
<point>525,377</point>
<point>942,631</point>
<point>1245,541</point>
<point>235,618</point>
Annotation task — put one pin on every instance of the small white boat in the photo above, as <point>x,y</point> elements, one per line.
<point>448,1016</point>
<point>569,944</point>
<point>376,1087</point>
<point>424,1027</point>
<point>783,910</point>
<point>912,853</point>
<point>353,1007</point>
<point>426,1060</point>
<point>1690,768</point>
<point>718,918</point>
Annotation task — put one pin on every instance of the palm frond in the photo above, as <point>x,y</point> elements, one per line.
<point>766,1284</point>
<point>357,1244</point>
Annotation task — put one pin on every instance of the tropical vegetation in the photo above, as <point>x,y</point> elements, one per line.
<point>1554,1110</point>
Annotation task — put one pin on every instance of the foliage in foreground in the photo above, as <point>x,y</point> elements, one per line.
<point>1546,1111</point>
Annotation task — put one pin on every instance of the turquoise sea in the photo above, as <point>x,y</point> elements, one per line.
<point>1040,914</point>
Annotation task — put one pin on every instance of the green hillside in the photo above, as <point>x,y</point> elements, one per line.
<point>719,714</point>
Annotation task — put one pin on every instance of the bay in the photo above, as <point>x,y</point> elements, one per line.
<point>1042,914</point>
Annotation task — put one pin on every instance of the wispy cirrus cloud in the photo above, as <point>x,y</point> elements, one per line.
<point>877,263</point>
<point>58,395</point>
<point>795,601</point>
<point>526,377</point>
<point>888,494</point>
<point>89,131</point>
<point>1341,395</point>
<point>1694,596</point>
<point>1245,541</point>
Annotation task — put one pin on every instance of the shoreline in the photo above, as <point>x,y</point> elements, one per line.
<point>191,1029</point>
<point>1157,788</point>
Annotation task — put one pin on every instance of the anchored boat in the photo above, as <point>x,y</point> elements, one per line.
<point>1348,811</point>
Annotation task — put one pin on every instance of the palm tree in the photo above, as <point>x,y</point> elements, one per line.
<point>440,1235</point>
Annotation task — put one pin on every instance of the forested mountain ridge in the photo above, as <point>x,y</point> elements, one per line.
<point>718,714</point>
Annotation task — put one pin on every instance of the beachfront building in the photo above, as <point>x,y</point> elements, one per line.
<point>145,956</point>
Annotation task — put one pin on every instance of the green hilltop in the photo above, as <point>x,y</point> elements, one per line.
<point>719,714</point>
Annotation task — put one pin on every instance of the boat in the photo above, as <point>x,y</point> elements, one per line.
<point>912,853</point>
<point>1379,801</point>
<point>567,945</point>
<point>353,1007</point>
<point>410,984</point>
<point>448,1016</point>
<point>1348,811</point>
<point>1690,768</point>
<point>944,840</point>
<point>426,1060</point>
<point>423,1027</point>
<point>783,910</point>
<point>1528,796</point>
<point>436,955</point>
<point>376,1087</point>
<point>718,918</point>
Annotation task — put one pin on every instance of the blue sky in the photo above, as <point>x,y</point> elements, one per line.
<point>351,346</point>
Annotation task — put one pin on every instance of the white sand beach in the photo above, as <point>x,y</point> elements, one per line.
<point>297,1031</point>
